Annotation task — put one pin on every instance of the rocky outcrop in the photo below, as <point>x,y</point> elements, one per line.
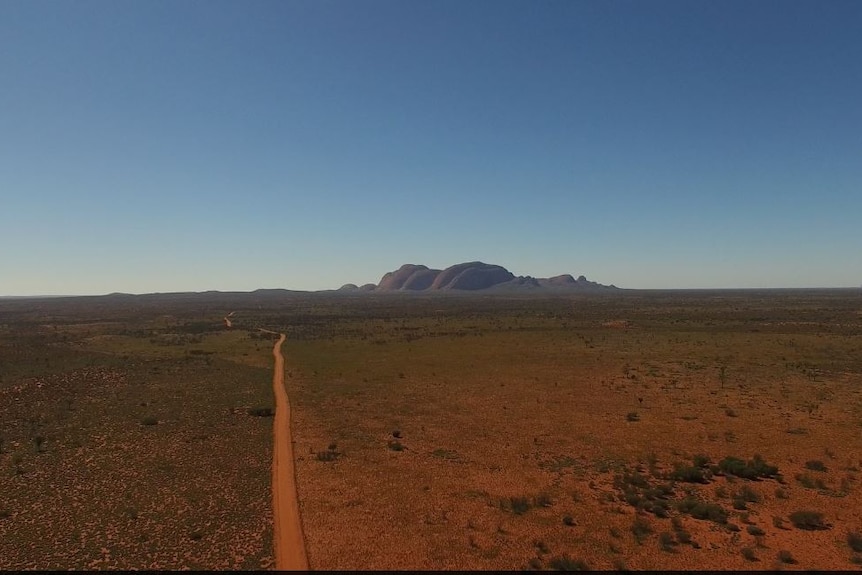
<point>420,279</point>
<point>472,276</point>
<point>396,280</point>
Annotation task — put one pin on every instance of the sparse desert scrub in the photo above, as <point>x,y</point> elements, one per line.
<point>702,510</point>
<point>463,358</point>
<point>808,520</point>
<point>641,529</point>
<point>133,493</point>
<point>754,468</point>
<point>517,505</point>
<point>810,482</point>
<point>749,554</point>
<point>755,530</point>
<point>566,563</point>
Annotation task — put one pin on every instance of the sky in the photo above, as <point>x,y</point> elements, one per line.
<point>177,145</point>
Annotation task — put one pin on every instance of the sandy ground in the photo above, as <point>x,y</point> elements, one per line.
<point>288,540</point>
<point>492,417</point>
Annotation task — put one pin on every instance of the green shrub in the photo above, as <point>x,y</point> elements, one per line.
<point>395,445</point>
<point>662,491</point>
<point>755,530</point>
<point>753,469</point>
<point>519,505</point>
<point>568,520</point>
<point>702,510</point>
<point>544,500</point>
<point>636,479</point>
<point>149,420</point>
<point>749,554</point>
<point>810,482</point>
<point>328,455</point>
<point>261,411</point>
<point>566,563</point>
<point>701,460</point>
<point>667,541</point>
<point>657,507</point>
<point>808,520</point>
<point>690,474</point>
<point>815,465</point>
<point>641,529</point>
<point>632,497</point>
<point>786,557</point>
<point>854,540</point>
<point>748,494</point>
<point>761,468</point>
<point>632,416</point>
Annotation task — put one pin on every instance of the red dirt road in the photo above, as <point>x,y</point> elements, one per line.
<point>288,540</point>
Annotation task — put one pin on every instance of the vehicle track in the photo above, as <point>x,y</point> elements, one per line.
<point>288,539</point>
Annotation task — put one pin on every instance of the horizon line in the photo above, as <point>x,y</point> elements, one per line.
<point>462,291</point>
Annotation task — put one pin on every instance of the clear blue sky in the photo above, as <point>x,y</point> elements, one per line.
<point>171,145</point>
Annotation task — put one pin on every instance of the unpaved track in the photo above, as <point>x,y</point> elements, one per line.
<point>288,540</point>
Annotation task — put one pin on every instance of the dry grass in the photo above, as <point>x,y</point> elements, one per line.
<point>514,445</point>
<point>150,463</point>
<point>528,400</point>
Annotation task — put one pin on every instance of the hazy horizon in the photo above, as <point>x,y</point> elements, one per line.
<point>193,146</point>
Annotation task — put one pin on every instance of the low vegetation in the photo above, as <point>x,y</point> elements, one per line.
<point>808,520</point>
<point>506,405</point>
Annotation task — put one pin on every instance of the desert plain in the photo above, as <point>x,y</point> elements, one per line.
<point>623,430</point>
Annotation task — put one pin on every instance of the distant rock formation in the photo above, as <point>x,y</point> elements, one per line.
<point>472,276</point>
<point>408,276</point>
